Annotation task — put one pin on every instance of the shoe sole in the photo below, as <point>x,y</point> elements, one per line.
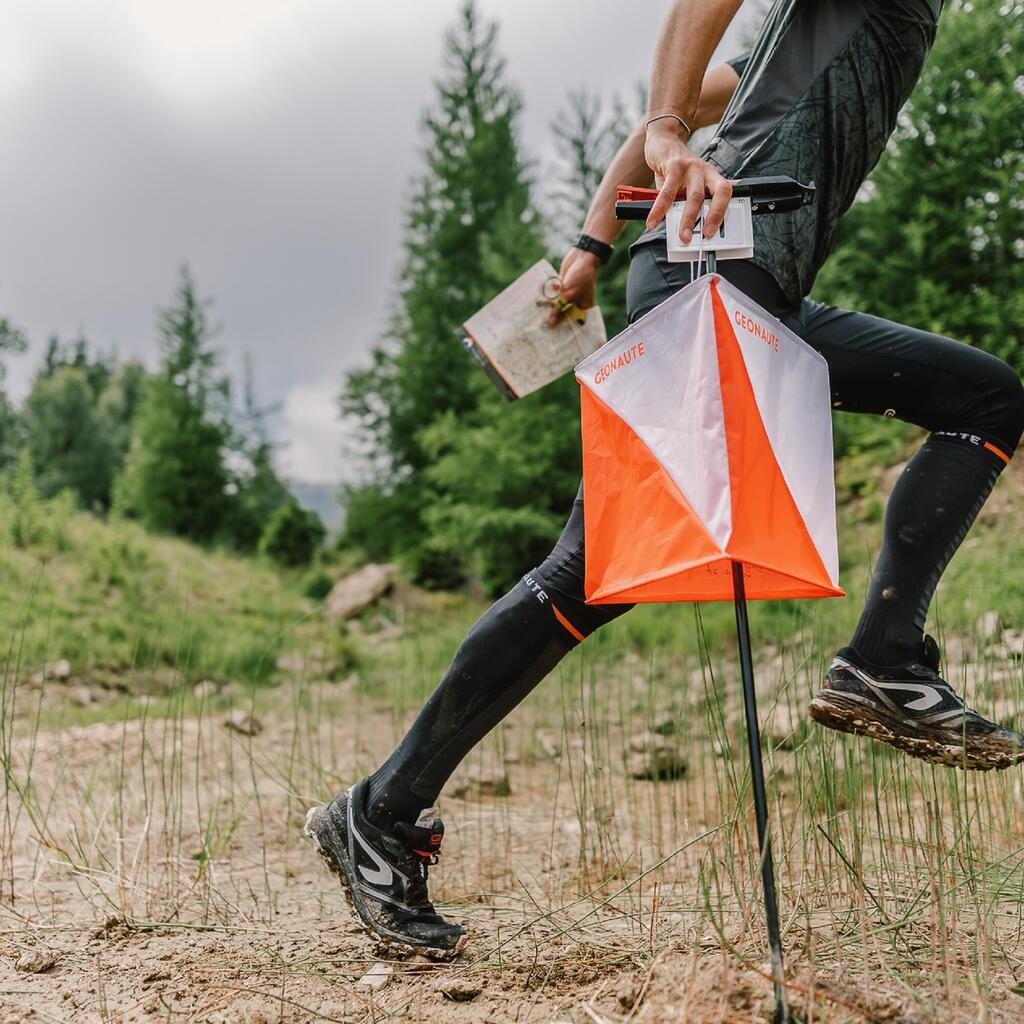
<point>836,711</point>
<point>389,943</point>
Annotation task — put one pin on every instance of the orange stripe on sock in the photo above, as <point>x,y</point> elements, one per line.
<point>998,451</point>
<point>568,625</point>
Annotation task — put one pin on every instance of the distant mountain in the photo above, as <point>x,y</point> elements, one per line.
<point>322,499</point>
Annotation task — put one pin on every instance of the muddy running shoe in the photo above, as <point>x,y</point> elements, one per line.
<point>384,877</point>
<point>913,708</point>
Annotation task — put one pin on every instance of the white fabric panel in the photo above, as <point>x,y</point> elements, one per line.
<point>660,375</point>
<point>790,382</point>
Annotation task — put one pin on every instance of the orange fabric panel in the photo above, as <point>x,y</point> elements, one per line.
<point>767,528</point>
<point>713,582</point>
<point>639,527</point>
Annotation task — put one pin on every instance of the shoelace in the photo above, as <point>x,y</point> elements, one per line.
<point>418,895</point>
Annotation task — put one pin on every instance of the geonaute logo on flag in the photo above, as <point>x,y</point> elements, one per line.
<point>631,355</point>
<point>757,330</point>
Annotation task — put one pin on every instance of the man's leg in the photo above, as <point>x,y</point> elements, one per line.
<point>974,405</point>
<point>380,836</point>
<point>510,649</point>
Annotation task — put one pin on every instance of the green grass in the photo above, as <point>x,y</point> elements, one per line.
<point>134,611</point>
<point>894,875</point>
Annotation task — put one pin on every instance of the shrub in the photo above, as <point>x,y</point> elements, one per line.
<point>293,535</point>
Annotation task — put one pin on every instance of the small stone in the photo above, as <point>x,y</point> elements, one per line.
<point>654,757</point>
<point>784,726</point>
<point>81,696</point>
<point>206,690</point>
<point>243,722</point>
<point>1014,640</point>
<point>988,625</point>
<point>376,977</point>
<point>627,995</point>
<point>665,725</point>
<point>460,988</point>
<point>60,670</point>
<point>293,664</point>
<point>485,782</point>
<point>37,961</point>
<point>258,1017</point>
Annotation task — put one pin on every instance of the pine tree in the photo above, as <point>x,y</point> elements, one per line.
<point>470,228</point>
<point>11,340</point>
<point>175,478</point>
<point>68,439</point>
<point>938,239</point>
<point>258,491</point>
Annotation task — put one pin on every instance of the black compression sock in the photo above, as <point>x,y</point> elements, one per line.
<point>933,505</point>
<point>512,647</point>
<point>389,800</point>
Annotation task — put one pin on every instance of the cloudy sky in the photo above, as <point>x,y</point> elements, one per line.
<point>237,136</point>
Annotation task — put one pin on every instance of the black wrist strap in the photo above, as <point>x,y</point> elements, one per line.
<point>602,250</point>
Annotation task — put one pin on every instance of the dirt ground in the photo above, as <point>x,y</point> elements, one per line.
<point>155,871</point>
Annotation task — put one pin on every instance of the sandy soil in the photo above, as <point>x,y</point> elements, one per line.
<point>155,871</point>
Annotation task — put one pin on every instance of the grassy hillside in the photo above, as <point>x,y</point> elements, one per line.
<point>132,612</point>
<point>135,613</point>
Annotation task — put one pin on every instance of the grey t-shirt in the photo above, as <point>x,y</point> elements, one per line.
<point>817,100</point>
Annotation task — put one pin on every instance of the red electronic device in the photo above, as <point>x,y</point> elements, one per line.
<point>774,194</point>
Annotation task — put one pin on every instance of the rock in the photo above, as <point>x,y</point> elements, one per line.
<point>294,664</point>
<point>627,995</point>
<point>548,744</point>
<point>243,722</point>
<point>783,726</point>
<point>654,757</point>
<point>206,690</point>
<point>988,625</point>
<point>59,670</point>
<point>376,977</point>
<point>485,782</point>
<point>1014,640</point>
<point>80,696</point>
<point>37,961</point>
<point>460,988</point>
<point>349,596</point>
<point>665,724</point>
<point>1005,711</point>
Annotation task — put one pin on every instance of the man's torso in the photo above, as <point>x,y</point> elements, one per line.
<point>818,100</point>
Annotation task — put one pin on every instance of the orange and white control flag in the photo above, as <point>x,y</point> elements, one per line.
<point>707,439</point>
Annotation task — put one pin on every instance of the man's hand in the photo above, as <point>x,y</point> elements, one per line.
<point>678,169</point>
<point>579,281</point>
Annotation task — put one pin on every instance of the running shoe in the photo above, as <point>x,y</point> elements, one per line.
<point>384,877</point>
<point>913,708</point>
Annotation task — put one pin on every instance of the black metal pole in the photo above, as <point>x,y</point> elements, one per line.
<point>771,903</point>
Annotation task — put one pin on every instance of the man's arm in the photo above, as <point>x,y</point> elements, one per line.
<point>629,167</point>
<point>689,35</point>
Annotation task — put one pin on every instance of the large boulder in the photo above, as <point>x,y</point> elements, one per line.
<point>349,596</point>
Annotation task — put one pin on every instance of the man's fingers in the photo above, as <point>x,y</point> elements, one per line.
<point>694,202</point>
<point>721,193</point>
<point>666,197</point>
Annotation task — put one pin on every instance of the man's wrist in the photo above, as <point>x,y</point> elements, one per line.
<point>669,121</point>
<point>594,247</point>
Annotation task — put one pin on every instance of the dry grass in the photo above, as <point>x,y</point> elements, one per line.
<point>157,857</point>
